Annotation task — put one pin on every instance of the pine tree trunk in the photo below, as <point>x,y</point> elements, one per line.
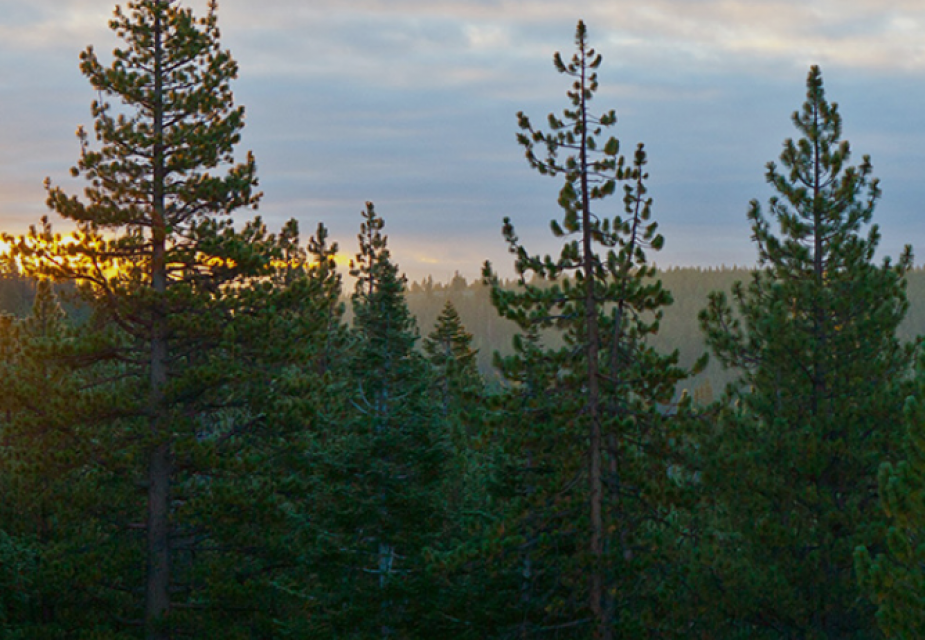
<point>157,586</point>
<point>819,233</point>
<point>820,374</point>
<point>596,547</point>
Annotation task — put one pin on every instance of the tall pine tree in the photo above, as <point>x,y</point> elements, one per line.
<point>592,440</point>
<point>792,461</point>
<point>167,275</point>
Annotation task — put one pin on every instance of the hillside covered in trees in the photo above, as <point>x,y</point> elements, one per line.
<point>205,433</point>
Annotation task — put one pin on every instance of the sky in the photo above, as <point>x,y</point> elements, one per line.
<point>412,104</point>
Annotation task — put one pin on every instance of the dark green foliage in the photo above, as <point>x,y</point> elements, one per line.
<point>377,470</point>
<point>196,444</point>
<point>18,567</point>
<point>894,578</point>
<point>459,394</point>
<point>449,349</point>
<point>159,387</point>
<point>791,463</point>
<point>583,428</point>
<point>40,460</point>
<point>394,412</point>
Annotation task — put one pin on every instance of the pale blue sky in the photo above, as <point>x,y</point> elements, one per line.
<point>412,103</point>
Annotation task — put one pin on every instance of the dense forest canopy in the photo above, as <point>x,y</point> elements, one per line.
<point>204,432</point>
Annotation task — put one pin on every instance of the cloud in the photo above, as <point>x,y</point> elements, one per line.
<point>370,37</point>
<point>411,103</point>
<point>729,34</point>
<point>41,27</point>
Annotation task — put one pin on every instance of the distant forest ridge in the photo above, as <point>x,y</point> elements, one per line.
<point>680,329</point>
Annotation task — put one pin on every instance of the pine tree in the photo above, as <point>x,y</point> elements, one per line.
<point>458,393</point>
<point>166,273</point>
<point>461,398</point>
<point>38,466</point>
<point>62,467</point>
<point>794,454</point>
<point>377,467</point>
<point>449,349</point>
<point>590,410</point>
<point>262,500</point>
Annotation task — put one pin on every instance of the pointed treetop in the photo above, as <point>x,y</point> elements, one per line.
<point>449,338</point>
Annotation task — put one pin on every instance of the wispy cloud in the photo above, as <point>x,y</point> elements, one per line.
<point>719,33</point>
<point>411,103</point>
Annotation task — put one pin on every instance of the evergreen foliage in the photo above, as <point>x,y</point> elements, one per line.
<point>195,442</point>
<point>55,541</point>
<point>894,578</point>
<point>459,394</point>
<point>169,281</point>
<point>791,463</point>
<point>449,349</point>
<point>378,467</point>
<point>587,440</point>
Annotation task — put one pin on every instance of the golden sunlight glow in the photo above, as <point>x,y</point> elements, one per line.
<point>214,261</point>
<point>44,257</point>
<point>340,260</point>
<point>53,257</point>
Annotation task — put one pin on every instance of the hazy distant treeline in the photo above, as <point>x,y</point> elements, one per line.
<point>680,328</point>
